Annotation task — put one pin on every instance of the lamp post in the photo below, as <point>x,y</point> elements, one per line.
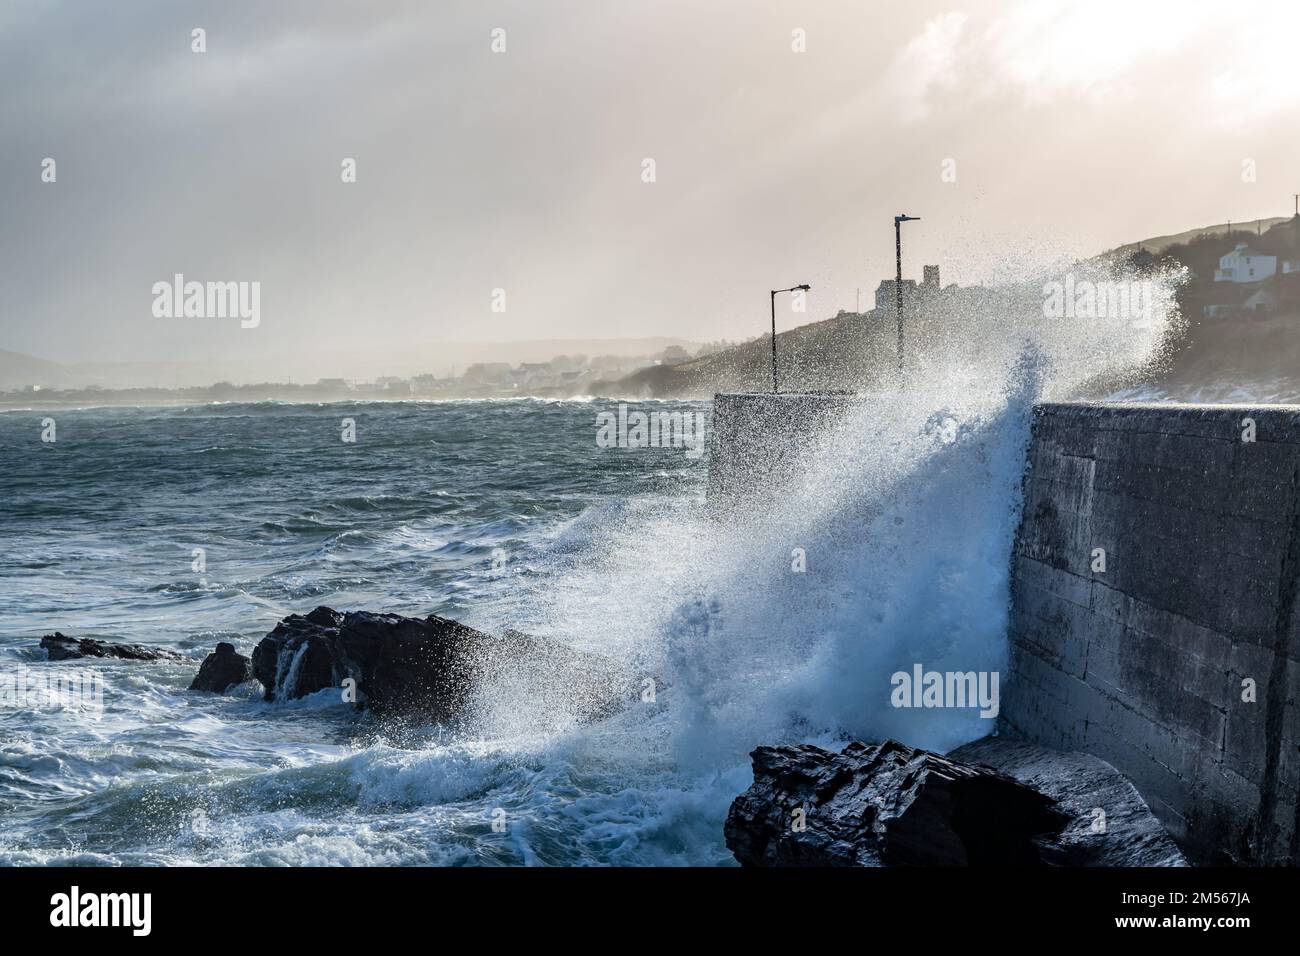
<point>898,278</point>
<point>796,288</point>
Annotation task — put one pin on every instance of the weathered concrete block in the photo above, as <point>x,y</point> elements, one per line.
<point>1174,691</point>
<point>1148,774</point>
<point>1211,459</point>
<point>1268,462</point>
<point>1041,703</point>
<point>1058,581</point>
<point>1047,623</point>
<point>1222,820</point>
<point>1061,538</point>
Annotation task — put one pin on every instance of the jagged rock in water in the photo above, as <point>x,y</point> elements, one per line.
<point>60,647</point>
<point>1124,833</point>
<point>222,669</point>
<point>884,805</point>
<point>430,668</point>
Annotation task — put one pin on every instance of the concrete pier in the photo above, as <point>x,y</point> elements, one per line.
<point>1154,583</point>
<point>759,440</point>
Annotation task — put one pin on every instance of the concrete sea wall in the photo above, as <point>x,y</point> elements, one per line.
<point>1154,584</point>
<point>1153,605</point>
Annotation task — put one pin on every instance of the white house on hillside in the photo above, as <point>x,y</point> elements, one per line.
<point>1245,264</point>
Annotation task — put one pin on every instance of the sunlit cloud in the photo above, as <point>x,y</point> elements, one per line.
<point>1076,48</point>
<point>928,61</point>
<point>1053,51</point>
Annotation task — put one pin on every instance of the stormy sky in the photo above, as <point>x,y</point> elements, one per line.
<point>1071,127</point>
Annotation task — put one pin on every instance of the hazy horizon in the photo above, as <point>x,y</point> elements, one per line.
<point>1021,133</point>
<point>304,366</point>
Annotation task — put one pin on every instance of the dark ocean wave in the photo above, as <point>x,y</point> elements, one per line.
<point>186,526</point>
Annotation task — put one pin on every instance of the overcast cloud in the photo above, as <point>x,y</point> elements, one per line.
<point>1074,127</point>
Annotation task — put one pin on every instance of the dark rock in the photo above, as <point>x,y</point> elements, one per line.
<point>222,669</point>
<point>60,647</point>
<point>430,668</point>
<point>1126,833</point>
<point>884,805</point>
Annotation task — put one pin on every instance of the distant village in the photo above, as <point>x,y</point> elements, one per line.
<point>564,376</point>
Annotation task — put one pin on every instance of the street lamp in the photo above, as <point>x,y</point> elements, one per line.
<point>898,278</point>
<point>796,288</point>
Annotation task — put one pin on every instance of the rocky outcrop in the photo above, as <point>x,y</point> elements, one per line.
<point>1109,822</point>
<point>60,647</point>
<point>884,805</point>
<point>992,802</point>
<point>223,669</point>
<point>431,668</point>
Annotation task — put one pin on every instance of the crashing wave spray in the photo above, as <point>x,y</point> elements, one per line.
<point>903,511</point>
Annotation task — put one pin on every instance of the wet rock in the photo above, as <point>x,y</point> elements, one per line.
<point>1109,822</point>
<point>432,668</point>
<point>223,669</point>
<point>994,801</point>
<point>60,647</point>
<point>884,805</point>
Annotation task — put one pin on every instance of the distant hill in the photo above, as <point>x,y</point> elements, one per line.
<point>18,370</point>
<point>828,355</point>
<point>843,353</point>
<point>1159,244</point>
<point>853,349</point>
